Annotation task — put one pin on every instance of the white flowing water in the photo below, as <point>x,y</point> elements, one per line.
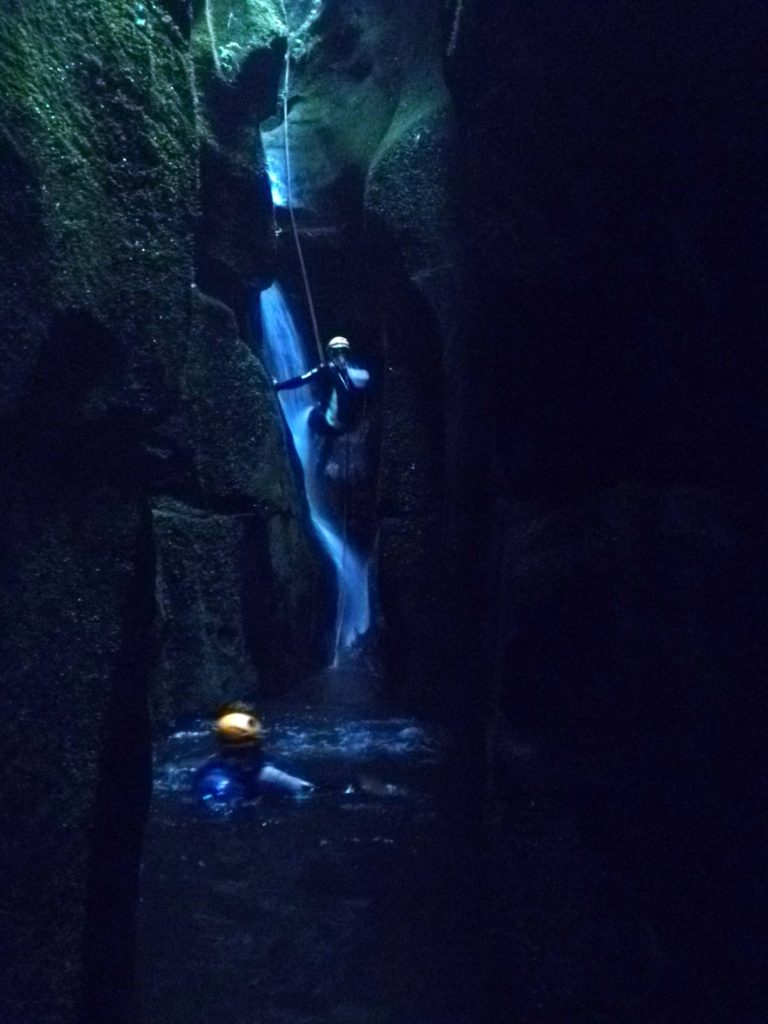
<point>286,355</point>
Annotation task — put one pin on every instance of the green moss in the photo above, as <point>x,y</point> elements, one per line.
<point>100,110</point>
<point>228,30</point>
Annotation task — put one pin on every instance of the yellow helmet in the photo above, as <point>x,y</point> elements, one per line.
<point>238,727</point>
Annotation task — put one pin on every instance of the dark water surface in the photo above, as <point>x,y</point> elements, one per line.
<point>387,897</point>
<point>346,907</point>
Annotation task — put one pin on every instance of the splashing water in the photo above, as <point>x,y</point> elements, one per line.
<point>285,355</point>
<point>302,740</point>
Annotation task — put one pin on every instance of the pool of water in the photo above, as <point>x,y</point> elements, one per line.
<point>346,907</point>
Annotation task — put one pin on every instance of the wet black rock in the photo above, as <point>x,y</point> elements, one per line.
<point>410,571</point>
<point>630,643</point>
<point>204,660</point>
<point>75,678</point>
<point>238,57</point>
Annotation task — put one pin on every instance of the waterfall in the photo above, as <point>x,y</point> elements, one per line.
<point>286,356</point>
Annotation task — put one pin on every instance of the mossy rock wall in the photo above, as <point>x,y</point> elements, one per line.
<point>124,392</point>
<point>99,194</point>
<point>99,127</point>
<point>237,50</point>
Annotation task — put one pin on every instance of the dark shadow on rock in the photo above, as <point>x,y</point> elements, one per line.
<point>181,12</point>
<point>236,106</point>
<point>633,646</point>
<point>72,420</point>
<point>234,233</point>
<point>121,808</point>
<point>25,287</point>
<point>287,631</point>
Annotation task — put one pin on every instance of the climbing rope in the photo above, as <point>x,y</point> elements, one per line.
<point>212,36</point>
<point>342,590</point>
<point>451,48</point>
<point>289,198</point>
<point>315,330</point>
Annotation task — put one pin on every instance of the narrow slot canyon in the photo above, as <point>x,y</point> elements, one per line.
<point>383,512</point>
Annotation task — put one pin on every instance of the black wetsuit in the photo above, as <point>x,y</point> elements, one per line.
<point>338,411</point>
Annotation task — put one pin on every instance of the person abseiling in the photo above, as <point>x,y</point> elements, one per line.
<point>342,381</point>
<point>237,772</point>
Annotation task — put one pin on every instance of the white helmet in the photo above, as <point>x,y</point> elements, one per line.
<point>337,344</point>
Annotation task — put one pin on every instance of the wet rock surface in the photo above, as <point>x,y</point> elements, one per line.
<point>97,166</point>
<point>239,575</point>
<point>237,49</point>
<point>619,411</point>
<point>105,137</point>
<point>203,658</point>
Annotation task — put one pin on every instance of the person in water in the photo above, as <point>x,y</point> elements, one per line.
<point>342,382</point>
<point>238,772</point>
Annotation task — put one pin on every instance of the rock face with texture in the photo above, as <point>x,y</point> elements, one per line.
<point>109,172</point>
<point>153,551</point>
<point>74,675</point>
<point>99,198</point>
<point>237,50</point>
<point>218,547</point>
